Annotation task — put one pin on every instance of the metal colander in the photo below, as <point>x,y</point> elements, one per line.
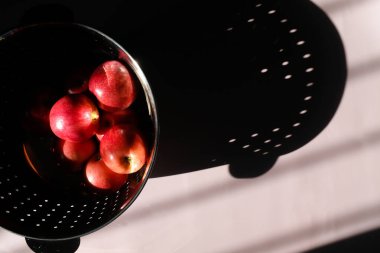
<point>45,205</point>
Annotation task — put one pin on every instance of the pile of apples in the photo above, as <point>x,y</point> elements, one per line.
<point>97,129</point>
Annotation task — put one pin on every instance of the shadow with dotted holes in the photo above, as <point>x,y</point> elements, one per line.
<point>241,83</point>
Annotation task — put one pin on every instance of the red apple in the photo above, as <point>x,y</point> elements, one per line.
<point>101,177</point>
<point>112,85</point>
<point>109,119</point>
<point>74,118</point>
<point>78,152</point>
<point>123,149</point>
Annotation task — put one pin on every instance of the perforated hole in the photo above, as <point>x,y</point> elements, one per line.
<point>308,70</point>
<point>232,140</point>
<point>284,20</point>
<point>288,136</point>
<point>277,145</point>
<point>296,124</point>
<point>229,29</point>
<point>303,112</point>
<point>294,30</point>
<point>285,63</point>
<point>276,130</point>
<point>306,56</point>
<point>264,70</point>
<point>266,153</point>
<point>254,135</point>
<point>250,20</point>
<point>267,141</point>
<point>287,77</point>
<point>310,84</point>
<point>272,12</point>
<point>300,43</point>
<point>259,5</point>
<point>307,98</point>
<point>245,146</point>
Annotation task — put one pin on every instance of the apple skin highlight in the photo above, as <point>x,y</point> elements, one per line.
<point>101,177</point>
<point>123,149</point>
<point>74,118</point>
<point>112,85</point>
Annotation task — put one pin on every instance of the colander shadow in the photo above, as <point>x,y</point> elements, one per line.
<point>241,84</point>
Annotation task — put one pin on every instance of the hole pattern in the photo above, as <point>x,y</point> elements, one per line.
<point>260,140</point>
<point>41,211</point>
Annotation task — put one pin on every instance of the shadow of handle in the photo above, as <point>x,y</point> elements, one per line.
<point>41,246</point>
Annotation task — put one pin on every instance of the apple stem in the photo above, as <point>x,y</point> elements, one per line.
<point>127,160</point>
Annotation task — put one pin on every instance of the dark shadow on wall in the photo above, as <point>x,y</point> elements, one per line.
<point>236,85</point>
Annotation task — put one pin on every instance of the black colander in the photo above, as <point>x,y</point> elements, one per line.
<point>36,63</point>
